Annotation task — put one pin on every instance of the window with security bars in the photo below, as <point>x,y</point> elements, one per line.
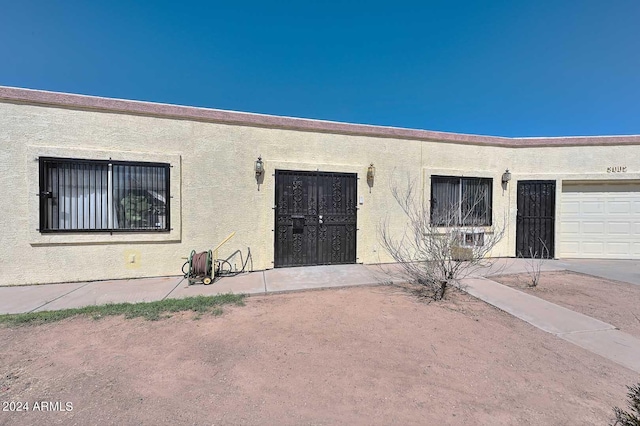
<point>93,195</point>
<point>461,201</point>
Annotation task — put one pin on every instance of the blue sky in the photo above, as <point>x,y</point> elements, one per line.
<point>504,68</point>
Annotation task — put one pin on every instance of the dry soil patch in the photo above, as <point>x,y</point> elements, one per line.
<point>375,355</point>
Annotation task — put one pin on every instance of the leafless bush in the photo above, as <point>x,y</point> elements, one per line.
<point>534,263</point>
<point>445,242</point>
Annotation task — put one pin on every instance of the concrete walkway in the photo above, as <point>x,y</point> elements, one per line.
<point>594,335</point>
<point>48,297</point>
<point>589,333</point>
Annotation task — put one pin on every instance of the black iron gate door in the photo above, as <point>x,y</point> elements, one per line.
<point>535,220</point>
<point>315,218</point>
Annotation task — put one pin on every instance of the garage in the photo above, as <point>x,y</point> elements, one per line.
<point>600,220</point>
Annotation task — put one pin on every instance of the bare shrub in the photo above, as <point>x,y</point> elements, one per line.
<point>534,263</point>
<point>440,246</point>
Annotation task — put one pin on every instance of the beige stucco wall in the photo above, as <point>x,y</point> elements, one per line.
<point>213,187</point>
<point>214,190</point>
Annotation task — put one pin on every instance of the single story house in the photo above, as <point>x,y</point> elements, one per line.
<point>98,188</point>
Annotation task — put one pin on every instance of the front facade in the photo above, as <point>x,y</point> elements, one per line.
<point>98,188</point>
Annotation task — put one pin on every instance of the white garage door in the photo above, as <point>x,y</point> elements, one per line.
<point>600,221</point>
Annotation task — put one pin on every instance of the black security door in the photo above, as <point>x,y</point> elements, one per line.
<point>535,220</point>
<point>315,218</point>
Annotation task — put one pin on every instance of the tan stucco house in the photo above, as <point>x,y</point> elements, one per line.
<point>97,188</point>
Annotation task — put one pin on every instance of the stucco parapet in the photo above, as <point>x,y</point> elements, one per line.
<point>74,101</point>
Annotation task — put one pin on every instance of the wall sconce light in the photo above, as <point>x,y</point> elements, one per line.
<point>259,167</point>
<point>371,174</point>
<point>506,176</point>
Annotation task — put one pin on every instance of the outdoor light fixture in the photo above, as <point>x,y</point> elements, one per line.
<point>371,173</point>
<point>506,176</point>
<point>259,167</point>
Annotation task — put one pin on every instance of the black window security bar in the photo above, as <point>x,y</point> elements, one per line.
<point>103,195</point>
<point>457,201</point>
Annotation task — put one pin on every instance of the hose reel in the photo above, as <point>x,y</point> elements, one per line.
<point>205,266</point>
<point>200,267</point>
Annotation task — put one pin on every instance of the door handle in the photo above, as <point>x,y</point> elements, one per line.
<point>320,218</point>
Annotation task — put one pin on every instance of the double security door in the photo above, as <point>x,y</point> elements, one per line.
<point>315,220</point>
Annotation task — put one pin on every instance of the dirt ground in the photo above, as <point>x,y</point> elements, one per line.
<point>613,302</point>
<point>374,355</point>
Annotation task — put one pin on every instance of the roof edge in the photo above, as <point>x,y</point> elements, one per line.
<point>75,101</point>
